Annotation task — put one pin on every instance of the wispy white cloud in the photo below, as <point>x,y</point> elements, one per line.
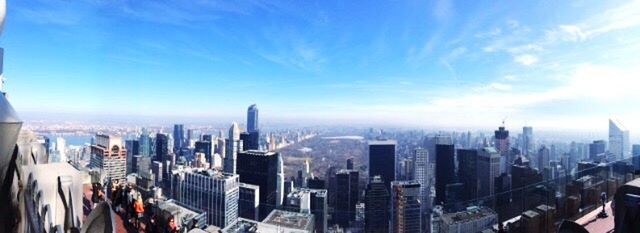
<point>510,77</point>
<point>490,33</point>
<point>298,55</point>
<point>525,59</point>
<point>418,55</point>
<point>500,86</point>
<point>585,84</point>
<point>622,17</point>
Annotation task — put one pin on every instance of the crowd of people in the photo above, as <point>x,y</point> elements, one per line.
<point>136,213</point>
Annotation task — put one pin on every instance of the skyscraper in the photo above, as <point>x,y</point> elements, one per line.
<point>382,160</point>
<point>468,172</point>
<point>249,203</point>
<point>406,213</point>
<point>596,149</point>
<point>162,147</point>
<point>527,141</point>
<point>543,157</point>
<point>445,170</point>
<point>205,147</point>
<point>145,143</point>
<point>252,119</point>
<point>420,174</point>
<point>109,155</point>
<point>250,140</point>
<point>347,197</point>
<point>488,170</point>
<point>215,192</point>
<point>376,207</point>
<point>618,140</point>
<point>264,169</point>
<point>635,152</point>
<point>132,147</point>
<point>502,140</point>
<point>234,145</point>
<point>178,137</point>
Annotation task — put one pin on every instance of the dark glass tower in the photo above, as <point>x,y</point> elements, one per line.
<point>445,170</point>
<point>347,196</point>
<point>252,118</point>
<point>263,169</point>
<point>162,150</point>
<point>382,161</point>
<point>376,202</point>
<point>250,140</point>
<point>206,148</point>
<point>468,172</point>
<point>178,137</point>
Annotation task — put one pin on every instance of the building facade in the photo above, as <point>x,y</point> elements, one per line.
<point>382,160</point>
<point>109,155</point>
<point>347,196</point>
<point>249,203</point>
<point>215,192</point>
<point>264,169</point>
<point>376,202</point>
<point>618,140</point>
<point>234,145</point>
<point>406,211</point>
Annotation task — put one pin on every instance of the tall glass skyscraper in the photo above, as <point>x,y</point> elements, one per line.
<point>618,140</point>
<point>233,147</point>
<point>382,160</point>
<point>420,174</point>
<point>252,118</point>
<point>264,169</point>
<point>527,141</point>
<point>468,172</point>
<point>178,137</point>
<point>145,143</point>
<point>445,170</point>
<point>162,147</point>
<point>376,212</point>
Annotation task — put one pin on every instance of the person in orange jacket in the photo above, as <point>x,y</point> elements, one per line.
<point>138,209</point>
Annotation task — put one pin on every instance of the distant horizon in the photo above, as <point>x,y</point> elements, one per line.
<point>277,122</point>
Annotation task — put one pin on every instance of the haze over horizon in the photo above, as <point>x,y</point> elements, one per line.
<point>438,63</point>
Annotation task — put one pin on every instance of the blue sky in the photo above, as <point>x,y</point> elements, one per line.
<point>550,64</point>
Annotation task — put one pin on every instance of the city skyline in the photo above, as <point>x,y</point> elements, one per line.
<point>420,64</point>
<point>319,116</point>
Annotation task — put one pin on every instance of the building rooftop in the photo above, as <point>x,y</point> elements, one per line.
<point>207,172</point>
<point>288,219</point>
<point>345,171</point>
<point>407,183</point>
<point>259,152</point>
<point>472,213</point>
<point>243,225</point>
<point>382,142</point>
<point>176,209</point>
<point>592,223</point>
<point>490,149</point>
<point>249,186</point>
<point>530,214</point>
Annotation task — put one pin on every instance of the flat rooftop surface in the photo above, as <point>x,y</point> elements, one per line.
<point>592,223</point>
<point>289,219</point>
